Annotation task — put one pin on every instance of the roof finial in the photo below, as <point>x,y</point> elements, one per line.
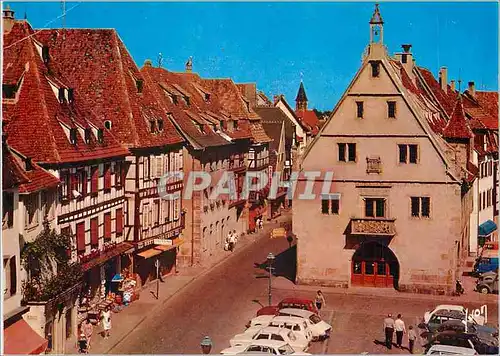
<point>376,17</point>
<point>189,65</point>
<point>301,77</point>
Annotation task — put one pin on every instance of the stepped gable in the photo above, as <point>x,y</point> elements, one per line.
<point>38,123</point>
<point>97,63</point>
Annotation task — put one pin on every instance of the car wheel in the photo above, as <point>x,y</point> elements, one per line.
<point>484,290</point>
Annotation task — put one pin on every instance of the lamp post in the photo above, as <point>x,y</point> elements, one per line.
<point>270,260</point>
<point>206,345</point>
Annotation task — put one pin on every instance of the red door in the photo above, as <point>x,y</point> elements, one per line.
<point>371,274</point>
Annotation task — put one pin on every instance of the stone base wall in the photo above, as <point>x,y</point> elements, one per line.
<point>322,282</point>
<point>434,289</point>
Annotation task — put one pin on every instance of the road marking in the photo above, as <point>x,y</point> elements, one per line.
<point>327,341</point>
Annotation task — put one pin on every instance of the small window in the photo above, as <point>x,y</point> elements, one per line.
<point>342,152</point>
<point>139,83</point>
<point>61,96</point>
<point>88,135</point>
<point>152,126</point>
<point>413,153</point>
<point>359,105</point>
<point>235,125</point>
<point>107,124</point>
<point>391,109</point>
<point>100,135</point>
<point>160,125</point>
<point>351,152</point>
<point>9,91</point>
<point>420,207</point>
<point>408,153</point>
<point>375,69</point>
<point>375,207</point>
<point>404,58</point>
<point>71,95</point>
<point>324,206</point>
<point>335,204</point>
<point>402,153</point>
<point>72,136</point>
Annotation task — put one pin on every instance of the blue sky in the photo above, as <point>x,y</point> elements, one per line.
<point>273,43</point>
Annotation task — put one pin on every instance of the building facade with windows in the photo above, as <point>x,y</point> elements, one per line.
<point>402,219</point>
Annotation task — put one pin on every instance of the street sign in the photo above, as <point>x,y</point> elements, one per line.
<point>167,242</point>
<point>278,232</point>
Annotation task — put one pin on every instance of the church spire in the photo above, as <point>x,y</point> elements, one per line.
<point>301,99</point>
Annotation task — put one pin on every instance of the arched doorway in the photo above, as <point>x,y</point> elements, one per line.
<point>374,265</point>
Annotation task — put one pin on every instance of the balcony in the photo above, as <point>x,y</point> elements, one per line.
<point>373,226</point>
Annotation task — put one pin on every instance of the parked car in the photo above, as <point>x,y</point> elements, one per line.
<point>263,346</point>
<point>296,340</point>
<point>319,328</point>
<point>468,340</point>
<point>296,324</point>
<point>487,283</point>
<point>450,350</point>
<point>449,307</point>
<point>296,303</point>
<point>443,321</point>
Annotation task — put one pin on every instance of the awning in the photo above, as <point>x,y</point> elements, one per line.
<point>486,228</point>
<point>175,243</point>
<point>20,338</point>
<point>149,253</point>
<point>105,256</point>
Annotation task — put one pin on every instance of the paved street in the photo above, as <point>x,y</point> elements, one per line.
<point>220,303</point>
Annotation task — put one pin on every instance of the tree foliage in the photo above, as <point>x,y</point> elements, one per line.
<point>48,263</point>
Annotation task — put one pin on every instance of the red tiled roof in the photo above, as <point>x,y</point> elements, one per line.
<point>97,63</point>
<point>481,110</point>
<point>39,179</point>
<point>488,100</point>
<point>35,119</point>
<point>309,118</point>
<point>447,100</point>
<point>457,126</point>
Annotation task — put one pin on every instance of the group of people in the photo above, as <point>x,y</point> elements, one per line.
<point>87,329</point>
<point>398,325</point>
<point>231,239</point>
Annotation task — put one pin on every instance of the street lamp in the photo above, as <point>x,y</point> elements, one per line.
<point>270,260</point>
<point>206,345</point>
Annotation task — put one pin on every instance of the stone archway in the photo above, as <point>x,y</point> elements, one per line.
<point>374,265</point>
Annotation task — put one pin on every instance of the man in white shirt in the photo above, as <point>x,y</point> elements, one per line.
<point>399,327</point>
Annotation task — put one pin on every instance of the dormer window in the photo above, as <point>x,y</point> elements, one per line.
<point>152,126</point>
<point>207,97</point>
<point>71,97</point>
<point>139,83</point>
<point>9,91</point>
<point>235,124</point>
<point>61,97</point>
<point>28,164</point>
<point>160,125</point>
<point>221,125</point>
<point>72,136</point>
<point>100,135</point>
<point>107,124</point>
<point>186,99</point>
<point>45,54</point>
<point>375,68</point>
<point>88,135</point>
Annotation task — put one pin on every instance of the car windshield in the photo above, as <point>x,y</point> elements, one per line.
<point>285,350</point>
<point>291,336</point>
<point>315,319</point>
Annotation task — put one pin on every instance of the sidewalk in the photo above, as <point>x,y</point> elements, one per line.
<point>124,322</point>
<point>470,296</point>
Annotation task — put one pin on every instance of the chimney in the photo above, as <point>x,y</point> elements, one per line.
<point>148,63</point>
<point>443,78</point>
<point>406,59</point>
<point>276,98</point>
<point>406,48</point>
<point>189,65</point>
<point>472,89</point>
<point>452,85</point>
<point>8,19</point>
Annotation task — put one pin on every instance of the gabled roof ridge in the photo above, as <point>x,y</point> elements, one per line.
<point>457,126</point>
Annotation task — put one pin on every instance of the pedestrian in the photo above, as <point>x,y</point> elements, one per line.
<point>87,330</point>
<point>82,344</point>
<point>106,322</point>
<point>235,236</point>
<point>261,224</point>
<point>257,224</point>
<point>389,330</point>
<point>319,300</point>
<point>399,326</point>
<point>412,336</point>
<point>231,242</point>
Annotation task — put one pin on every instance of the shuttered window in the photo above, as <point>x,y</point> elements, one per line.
<point>119,222</point>
<point>107,176</point>
<point>80,237</point>
<point>94,179</point>
<point>94,232</point>
<point>107,226</point>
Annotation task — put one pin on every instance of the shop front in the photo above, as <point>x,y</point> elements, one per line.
<point>162,250</point>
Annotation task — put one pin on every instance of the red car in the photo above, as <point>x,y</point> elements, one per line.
<point>296,303</point>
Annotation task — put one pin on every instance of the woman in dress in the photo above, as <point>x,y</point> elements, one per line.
<point>106,322</point>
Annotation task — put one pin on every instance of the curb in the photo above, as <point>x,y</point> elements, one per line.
<point>194,278</point>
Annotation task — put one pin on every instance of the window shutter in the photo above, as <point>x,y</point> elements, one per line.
<point>94,179</point>
<point>107,226</point>
<point>80,237</point>
<point>83,177</point>
<point>107,176</point>
<point>94,232</point>
<point>73,184</point>
<point>119,222</point>
<point>13,275</point>
<point>159,166</point>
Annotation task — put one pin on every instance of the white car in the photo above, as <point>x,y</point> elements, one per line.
<point>296,324</point>
<point>450,350</point>
<point>273,347</point>
<point>296,340</point>
<point>449,307</point>
<point>319,328</point>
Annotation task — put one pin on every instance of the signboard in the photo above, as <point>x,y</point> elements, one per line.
<point>278,232</point>
<point>165,236</point>
<point>162,242</point>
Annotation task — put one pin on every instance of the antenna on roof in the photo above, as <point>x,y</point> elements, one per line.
<point>63,9</point>
<point>459,80</point>
<point>301,77</point>
<point>160,60</point>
